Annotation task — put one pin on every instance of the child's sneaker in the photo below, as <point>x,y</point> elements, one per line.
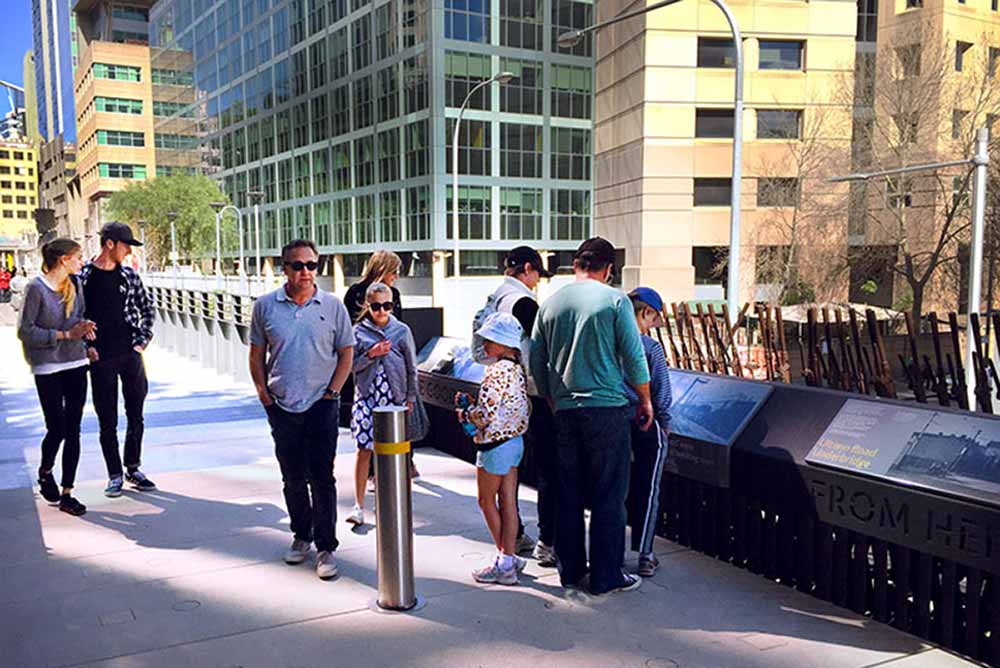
<point>357,516</point>
<point>519,564</point>
<point>493,574</point>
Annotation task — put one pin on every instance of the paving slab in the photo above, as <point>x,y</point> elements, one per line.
<point>191,575</point>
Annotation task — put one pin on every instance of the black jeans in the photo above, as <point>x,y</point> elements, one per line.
<point>592,453</point>
<point>62,396</point>
<point>104,377</point>
<point>306,444</point>
<point>543,438</point>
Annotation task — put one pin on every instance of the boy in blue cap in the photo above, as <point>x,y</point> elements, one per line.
<point>649,448</point>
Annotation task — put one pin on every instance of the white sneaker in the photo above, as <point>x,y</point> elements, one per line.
<point>297,552</point>
<point>357,517</point>
<point>326,567</point>
<point>544,554</point>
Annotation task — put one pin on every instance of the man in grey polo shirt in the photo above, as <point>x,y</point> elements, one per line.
<point>301,350</point>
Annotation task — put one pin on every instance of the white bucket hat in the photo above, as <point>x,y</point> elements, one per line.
<point>502,328</point>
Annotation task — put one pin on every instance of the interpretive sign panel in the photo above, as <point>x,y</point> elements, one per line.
<point>950,452</point>
<point>707,416</point>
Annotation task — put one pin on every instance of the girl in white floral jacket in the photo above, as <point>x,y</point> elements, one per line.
<point>500,417</point>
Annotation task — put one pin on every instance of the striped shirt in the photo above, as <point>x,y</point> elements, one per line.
<point>659,382</point>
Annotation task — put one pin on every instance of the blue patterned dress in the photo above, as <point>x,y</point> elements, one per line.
<point>380,394</point>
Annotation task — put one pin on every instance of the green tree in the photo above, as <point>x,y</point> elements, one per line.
<point>190,197</point>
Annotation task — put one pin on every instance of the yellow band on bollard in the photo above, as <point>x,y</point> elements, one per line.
<point>400,448</point>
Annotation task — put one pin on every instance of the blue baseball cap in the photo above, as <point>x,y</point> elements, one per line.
<point>651,298</point>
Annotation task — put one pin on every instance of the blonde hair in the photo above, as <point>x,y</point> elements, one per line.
<point>52,252</point>
<point>373,289</point>
<point>380,263</point>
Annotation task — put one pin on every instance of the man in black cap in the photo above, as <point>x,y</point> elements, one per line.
<point>584,348</point>
<point>523,269</point>
<point>118,303</point>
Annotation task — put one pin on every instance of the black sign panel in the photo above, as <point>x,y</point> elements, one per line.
<point>707,416</point>
<point>954,453</point>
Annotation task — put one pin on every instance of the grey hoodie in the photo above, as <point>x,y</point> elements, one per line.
<point>400,363</point>
<point>42,315</point>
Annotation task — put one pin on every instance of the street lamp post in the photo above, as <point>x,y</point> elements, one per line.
<point>220,209</point>
<point>142,238</point>
<point>172,216</point>
<point>979,161</point>
<point>256,196</point>
<point>570,39</point>
<point>501,78</point>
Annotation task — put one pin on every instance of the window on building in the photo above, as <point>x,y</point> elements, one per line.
<point>712,191</point>
<point>960,49</point>
<point>321,171</point>
<point>120,138</point>
<point>166,109</point>
<point>414,22</point>
<point>117,105</point>
<point>570,15</point>
<point>388,155</point>
<point>364,161</point>
<point>388,93</point>
<point>777,191</point>
<point>417,146</point>
<point>364,230</point>
<point>111,170</point>
<point>323,224</point>
<point>523,93</point>
<point>21,199</point>
<point>386,32</point>
<point>779,123</point>
<point>390,217</point>
<point>571,91</point>
<point>117,72</point>
<point>340,105</point>
<point>341,215</point>
<point>958,117</point>
<point>520,213</point>
<point>570,214</point>
<point>317,16</point>
<point>297,21</point>
<point>914,4</point>
<point>282,82</point>
<point>361,42</point>
<point>899,192</point>
<point>268,183</point>
<point>300,73</point>
<point>571,153</point>
<point>521,150</point>
<point>521,24</point>
<point>341,160</point>
<point>781,55</point>
<point>474,207</point>
<point>317,64</point>
<point>992,58</point>
<point>473,146</point>
<point>303,176</point>
<point>415,83</point>
<point>320,117</point>
<point>285,182</point>
<point>338,47</point>
<point>300,124</point>
<point>23,215</point>
<point>418,213</point>
<point>467,20</point>
<point>716,52</point>
<point>713,123</point>
<point>267,137</point>
<point>463,72</point>
<point>363,103</point>
<point>287,224</point>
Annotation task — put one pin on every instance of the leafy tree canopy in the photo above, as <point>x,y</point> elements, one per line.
<point>190,197</point>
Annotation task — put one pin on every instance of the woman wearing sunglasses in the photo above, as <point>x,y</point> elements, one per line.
<point>385,373</point>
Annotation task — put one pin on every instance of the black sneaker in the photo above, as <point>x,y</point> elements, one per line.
<point>68,504</point>
<point>139,480</point>
<point>48,487</point>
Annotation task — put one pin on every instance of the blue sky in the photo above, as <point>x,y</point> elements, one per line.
<point>16,40</point>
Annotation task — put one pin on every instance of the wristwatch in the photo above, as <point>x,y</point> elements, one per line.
<point>331,394</point>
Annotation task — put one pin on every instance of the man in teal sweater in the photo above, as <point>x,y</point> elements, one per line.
<point>584,347</point>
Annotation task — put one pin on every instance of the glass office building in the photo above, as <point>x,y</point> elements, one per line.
<point>54,45</point>
<point>341,112</point>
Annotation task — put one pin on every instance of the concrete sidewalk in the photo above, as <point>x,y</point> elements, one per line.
<point>191,575</point>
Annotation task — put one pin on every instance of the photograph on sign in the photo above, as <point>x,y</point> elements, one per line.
<point>713,409</point>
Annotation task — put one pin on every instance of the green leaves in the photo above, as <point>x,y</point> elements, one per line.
<point>190,197</point>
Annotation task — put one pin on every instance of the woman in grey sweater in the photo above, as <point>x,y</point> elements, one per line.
<point>385,373</point>
<point>51,327</point>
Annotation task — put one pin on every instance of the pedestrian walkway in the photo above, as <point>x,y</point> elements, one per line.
<point>191,575</point>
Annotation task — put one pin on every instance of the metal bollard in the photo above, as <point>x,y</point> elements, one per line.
<point>393,509</point>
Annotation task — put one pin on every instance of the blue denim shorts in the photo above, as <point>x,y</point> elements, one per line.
<point>501,459</point>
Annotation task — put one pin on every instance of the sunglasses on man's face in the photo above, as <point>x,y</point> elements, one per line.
<point>381,306</point>
<point>299,266</point>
